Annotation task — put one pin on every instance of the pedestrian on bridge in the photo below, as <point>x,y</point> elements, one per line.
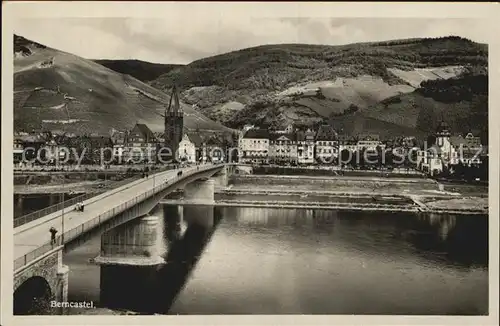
<point>53,232</point>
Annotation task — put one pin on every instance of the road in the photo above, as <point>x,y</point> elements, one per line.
<point>36,233</point>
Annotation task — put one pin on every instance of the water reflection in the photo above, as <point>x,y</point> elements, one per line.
<point>184,251</point>
<point>237,260</point>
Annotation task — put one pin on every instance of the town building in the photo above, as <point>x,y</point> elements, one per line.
<point>440,155</point>
<point>54,152</point>
<point>119,140</point>
<point>187,150</point>
<point>174,126</point>
<point>18,150</point>
<point>254,146</point>
<point>141,144</point>
<point>288,130</point>
<point>447,151</point>
<point>305,146</point>
<point>201,155</point>
<point>326,144</point>
<point>347,142</point>
<point>370,142</point>
<point>283,148</point>
<point>430,160</point>
<point>468,150</point>
<point>214,148</point>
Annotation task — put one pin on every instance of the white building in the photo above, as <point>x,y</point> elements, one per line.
<point>305,147</point>
<point>288,130</point>
<point>443,142</point>
<point>282,148</point>
<point>119,152</point>
<point>430,160</point>
<point>187,150</point>
<point>369,142</point>
<point>254,146</point>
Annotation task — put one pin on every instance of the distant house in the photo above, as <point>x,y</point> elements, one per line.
<point>283,148</point>
<point>369,142</point>
<point>430,161</point>
<point>448,153</point>
<point>288,130</point>
<point>141,144</point>
<point>187,149</point>
<point>468,150</point>
<point>55,152</point>
<point>326,144</point>
<point>254,146</point>
<point>198,141</point>
<point>32,145</point>
<point>18,150</point>
<point>215,149</point>
<point>119,152</point>
<point>347,142</point>
<point>305,147</point>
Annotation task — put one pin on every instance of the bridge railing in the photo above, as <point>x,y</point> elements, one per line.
<point>77,231</point>
<point>70,202</point>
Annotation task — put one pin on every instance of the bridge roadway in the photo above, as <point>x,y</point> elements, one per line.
<point>35,234</point>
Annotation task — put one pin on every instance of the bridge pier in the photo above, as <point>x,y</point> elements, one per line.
<point>200,191</point>
<point>129,261</point>
<point>132,243</point>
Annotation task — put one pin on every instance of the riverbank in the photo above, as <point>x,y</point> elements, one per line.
<point>360,193</point>
<point>58,187</point>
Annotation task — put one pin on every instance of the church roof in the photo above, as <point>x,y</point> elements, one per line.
<point>443,126</point>
<point>175,106</point>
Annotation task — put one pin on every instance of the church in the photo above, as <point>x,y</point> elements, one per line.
<point>174,128</point>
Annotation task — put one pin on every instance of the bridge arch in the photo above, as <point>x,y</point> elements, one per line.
<point>33,297</point>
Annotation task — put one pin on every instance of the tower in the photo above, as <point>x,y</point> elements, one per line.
<point>174,124</point>
<point>442,134</point>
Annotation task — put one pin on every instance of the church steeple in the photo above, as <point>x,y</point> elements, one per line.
<point>174,123</point>
<point>175,108</point>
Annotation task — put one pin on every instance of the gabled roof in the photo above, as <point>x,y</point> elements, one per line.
<point>257,134</point>
<point>302,135</point>
<point>119,137</point>
<point>145,131</point>
<point>443,126</point>
<point>196,139</point>
<point>280,136</point>
<point>326,132</point>
<point>457,141</point>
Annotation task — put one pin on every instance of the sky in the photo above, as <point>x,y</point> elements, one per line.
<point>173,40</point>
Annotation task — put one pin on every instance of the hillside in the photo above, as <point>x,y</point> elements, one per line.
<point>141,70</point>
<point>55,90</point>
<point>307,84</point>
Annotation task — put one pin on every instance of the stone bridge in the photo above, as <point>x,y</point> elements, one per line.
<point>40,275</point>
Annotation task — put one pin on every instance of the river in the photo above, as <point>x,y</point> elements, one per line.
<point>299,261</point>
